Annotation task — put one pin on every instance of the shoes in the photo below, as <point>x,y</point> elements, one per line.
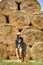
<point>20,60</point>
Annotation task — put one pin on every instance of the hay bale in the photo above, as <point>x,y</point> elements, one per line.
<point>37,20</point>
<point>37,50</point>
<point>7,50</point>
<point>30,6</point>
<point>20,19</point>
<point>8,7</point>
<point>10,51</point>
<point>8,33</point>
<point>31,35</point>
<point>2,19</point>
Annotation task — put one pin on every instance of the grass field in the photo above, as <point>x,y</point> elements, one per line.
<point>21,63</point>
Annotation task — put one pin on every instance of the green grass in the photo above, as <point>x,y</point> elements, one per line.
<point>21,63</point>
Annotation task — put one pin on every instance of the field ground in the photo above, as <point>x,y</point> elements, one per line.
<point>12,62</point>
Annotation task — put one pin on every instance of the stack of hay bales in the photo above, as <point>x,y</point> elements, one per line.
<point>24,15</point>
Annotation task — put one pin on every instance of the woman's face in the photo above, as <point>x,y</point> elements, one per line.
<point>18,35</point>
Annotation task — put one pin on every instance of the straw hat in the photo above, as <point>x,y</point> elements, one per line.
<point>18,33</point>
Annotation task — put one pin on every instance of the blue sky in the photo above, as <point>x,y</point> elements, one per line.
<point>41,3</point>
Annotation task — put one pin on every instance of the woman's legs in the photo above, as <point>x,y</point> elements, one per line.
<point>20,53</point>
<point>17,54</point>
